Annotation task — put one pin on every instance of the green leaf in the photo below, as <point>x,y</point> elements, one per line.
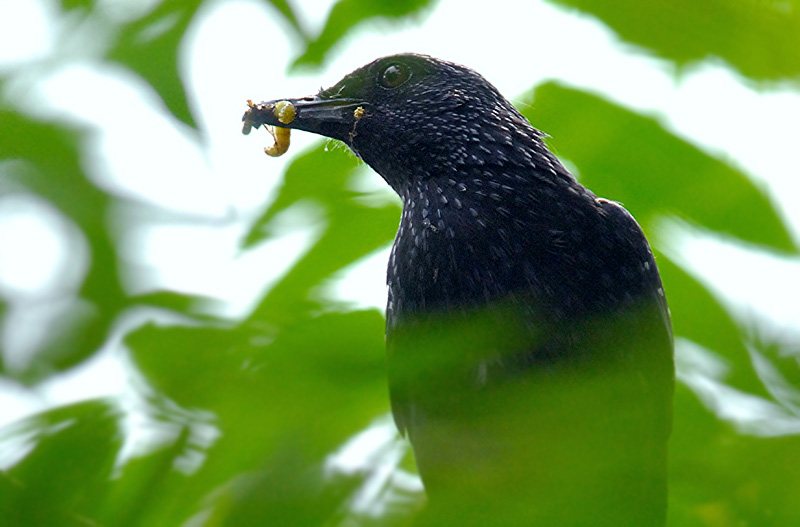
<point>347,14</point>
<point>720,477</point>
<point>145,492</point>
<point>308,359</point>
<point>149,46</point>
<point>196,306</point>
<point>282,394</point>
<point>69,5</point>
<point>64,480</point>
<point>634,160</point>
<point>699,317</point>
<point>760,39</point>
<point>50,167</point>
<point>286,10</point>
<point>290,491</point>
<point>352,229</point>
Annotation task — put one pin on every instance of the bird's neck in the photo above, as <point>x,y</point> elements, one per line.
<point>477,234</point>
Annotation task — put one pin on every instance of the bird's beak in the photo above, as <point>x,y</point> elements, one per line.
<point>333,118</point>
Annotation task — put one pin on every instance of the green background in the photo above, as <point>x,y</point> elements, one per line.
<point>243,412</point>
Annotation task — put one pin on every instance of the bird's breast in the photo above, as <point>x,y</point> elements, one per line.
<point>559,252</point>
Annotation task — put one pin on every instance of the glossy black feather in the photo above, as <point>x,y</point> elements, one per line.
<point>529,342</point>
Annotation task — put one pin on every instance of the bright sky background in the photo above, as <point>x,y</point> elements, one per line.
<point>238,51</point>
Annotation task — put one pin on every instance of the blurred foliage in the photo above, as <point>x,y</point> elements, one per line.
<point>149,46</point>
<point>56,175</point>
<point>243,414</point>
<point>655,173</point>
<point>761,39</point>
<point>347,14</point>
<point>352,229</point>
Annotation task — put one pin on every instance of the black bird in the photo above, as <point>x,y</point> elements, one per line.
<point>528,337</point>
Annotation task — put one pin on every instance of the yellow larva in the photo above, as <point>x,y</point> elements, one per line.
<point>284,111</point>
<point>281,136</point>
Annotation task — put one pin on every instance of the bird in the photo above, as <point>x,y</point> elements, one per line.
<point>529,342</point>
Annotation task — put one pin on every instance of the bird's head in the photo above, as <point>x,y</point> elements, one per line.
<point>413,117</point>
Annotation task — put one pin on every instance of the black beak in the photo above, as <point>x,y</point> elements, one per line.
<point>333,118</point>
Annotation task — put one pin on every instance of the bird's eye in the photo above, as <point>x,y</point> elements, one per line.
<point>394,75</point>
